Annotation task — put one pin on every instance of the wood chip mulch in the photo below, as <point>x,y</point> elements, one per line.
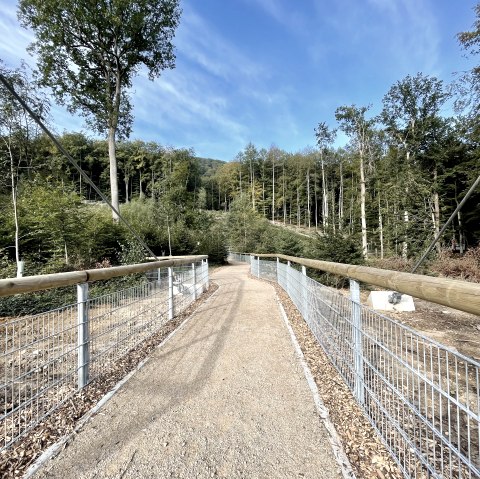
<point>15,461</point>
<point>367,454</point>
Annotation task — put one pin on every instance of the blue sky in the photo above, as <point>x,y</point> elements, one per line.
<point>267,71</point>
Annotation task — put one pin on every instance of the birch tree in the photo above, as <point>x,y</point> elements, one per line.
<point>325,138</point>
<point>16,132</point>
<point>353,122</point>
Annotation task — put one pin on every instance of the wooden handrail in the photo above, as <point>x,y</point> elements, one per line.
<point>454,293</point>
<point>30,284</point>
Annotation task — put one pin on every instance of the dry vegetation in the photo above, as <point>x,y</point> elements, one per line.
<point>364,449</point>
<point>446,264</point>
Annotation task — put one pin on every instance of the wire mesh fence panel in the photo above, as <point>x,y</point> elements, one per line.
<point>41,357</point>
<point>241,257</point>
<point>422,397</point>
<point>38,363</point>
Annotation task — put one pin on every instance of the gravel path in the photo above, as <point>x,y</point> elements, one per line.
<point>225,397</point>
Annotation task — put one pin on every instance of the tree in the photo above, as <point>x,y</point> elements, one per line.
<point>353,122</point>
<point>89,52</point>
<point>325,138</point>
<point>468,85</point>
<point>411,116</point>
<point>16,131</point>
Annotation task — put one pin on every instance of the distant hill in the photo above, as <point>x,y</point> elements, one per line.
<point>208,166</point>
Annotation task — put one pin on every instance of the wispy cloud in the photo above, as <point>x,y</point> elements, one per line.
<point>200,43</point>
<point>14,38</point>
<point>285,13</point>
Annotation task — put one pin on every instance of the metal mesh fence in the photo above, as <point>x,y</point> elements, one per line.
<point>44,358</point>
<point>423,398</point>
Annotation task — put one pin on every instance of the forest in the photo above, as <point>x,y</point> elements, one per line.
<point>385,194</point>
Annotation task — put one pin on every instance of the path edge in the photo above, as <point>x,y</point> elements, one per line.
<point>56,448</point>
<point>333,437</point>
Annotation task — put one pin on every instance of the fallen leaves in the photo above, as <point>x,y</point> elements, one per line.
<point>367,454</point>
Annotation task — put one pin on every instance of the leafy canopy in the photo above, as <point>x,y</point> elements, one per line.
<point>88,51</point>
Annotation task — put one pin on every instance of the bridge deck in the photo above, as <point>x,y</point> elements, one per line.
<point>225,397</point>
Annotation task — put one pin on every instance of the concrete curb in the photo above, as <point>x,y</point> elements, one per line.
<point>333,437</point>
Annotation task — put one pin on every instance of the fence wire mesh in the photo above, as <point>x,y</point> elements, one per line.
<point>42,356</point>
<point>423,398</point>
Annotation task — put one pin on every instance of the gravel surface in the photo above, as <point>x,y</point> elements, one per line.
<point>225,397</point>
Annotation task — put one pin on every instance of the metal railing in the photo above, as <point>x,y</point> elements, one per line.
<point>422,397</point>
<point>46,358</point>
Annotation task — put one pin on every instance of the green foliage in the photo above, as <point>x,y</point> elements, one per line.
<point>70,35</point>
<point>337,248</point>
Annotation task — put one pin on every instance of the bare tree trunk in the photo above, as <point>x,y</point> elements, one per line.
<point>263,200</point>
<point>298,206</point>
<point>273,188</point>
<point>15,214</point>
<point>113,172</point>
<point>436,209</point>
<point>340,200</point>
<point>380,226</point>
<point>308,198</point>
<point>315,194</point>
<point>284,198</point>
<point>127,181</point>
<point>333,208</point>
<point>324,196</point>
<point>362,207</point>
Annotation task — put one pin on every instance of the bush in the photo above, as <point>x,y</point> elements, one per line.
<point>451,265</point>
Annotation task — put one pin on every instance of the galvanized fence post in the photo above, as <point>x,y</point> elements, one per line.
<point>83,339</point>
<point>287,279</point>
<point>194,280</point>
<point>258,266</point>
<point>357,340</point>
<point>305,292</point>
<point>171,312</point>
<point>159,278</point>
<point>206,274</point>
<point>252,264</point>
<point>278,270</point>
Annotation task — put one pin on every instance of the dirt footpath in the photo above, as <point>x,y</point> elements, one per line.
<point>225,397</point>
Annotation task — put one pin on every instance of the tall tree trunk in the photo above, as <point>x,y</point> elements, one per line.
<point>308,198</point>
<point>263,200</point>
<point>284,197</point>
<point>380,227</point>
<point>298,206</point>
<point>315,194</point>
<point>436,208</point>
<point>324,197</point>
<point>15,213</point>
<point>333,207</point>
<point>340,200</point>
<point>127,181</point>
<point>113,172</point>
<point>362,207</point>
<point>405,213</point>
<point>273,188</point>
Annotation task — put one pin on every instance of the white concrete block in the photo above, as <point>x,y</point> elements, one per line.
<point>378,300</point>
